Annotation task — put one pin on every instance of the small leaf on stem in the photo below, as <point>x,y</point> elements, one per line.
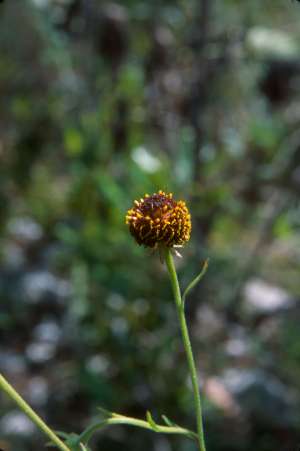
<point>195,281</point>
<point>151,421</point>
<point>168,421</point>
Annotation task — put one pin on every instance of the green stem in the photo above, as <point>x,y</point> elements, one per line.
<point>187,345</point>
<point>11,392</point>
<point>122,419</point>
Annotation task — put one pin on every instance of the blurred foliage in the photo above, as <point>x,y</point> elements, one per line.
<point>102,102</point>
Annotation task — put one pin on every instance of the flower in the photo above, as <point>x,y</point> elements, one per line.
<point>159,220</point>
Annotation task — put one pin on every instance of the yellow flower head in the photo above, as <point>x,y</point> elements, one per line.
<point>159,219</point>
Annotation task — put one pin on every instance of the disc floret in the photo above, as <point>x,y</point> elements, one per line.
<point>159,220</point>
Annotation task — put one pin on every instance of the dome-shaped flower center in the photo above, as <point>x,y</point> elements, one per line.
<point>159,219</point>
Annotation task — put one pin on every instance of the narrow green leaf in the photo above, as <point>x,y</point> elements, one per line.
<point>168,421</point>
<point>151,421</point>
<point>105,412</point>
<point>195,281</point>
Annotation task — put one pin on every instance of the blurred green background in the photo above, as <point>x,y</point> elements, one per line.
<point>102,102</point>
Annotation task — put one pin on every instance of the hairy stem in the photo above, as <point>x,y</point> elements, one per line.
<point>11,392</point>
<point>187,345</point>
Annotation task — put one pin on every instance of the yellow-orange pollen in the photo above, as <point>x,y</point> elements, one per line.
<point>159,219</point>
